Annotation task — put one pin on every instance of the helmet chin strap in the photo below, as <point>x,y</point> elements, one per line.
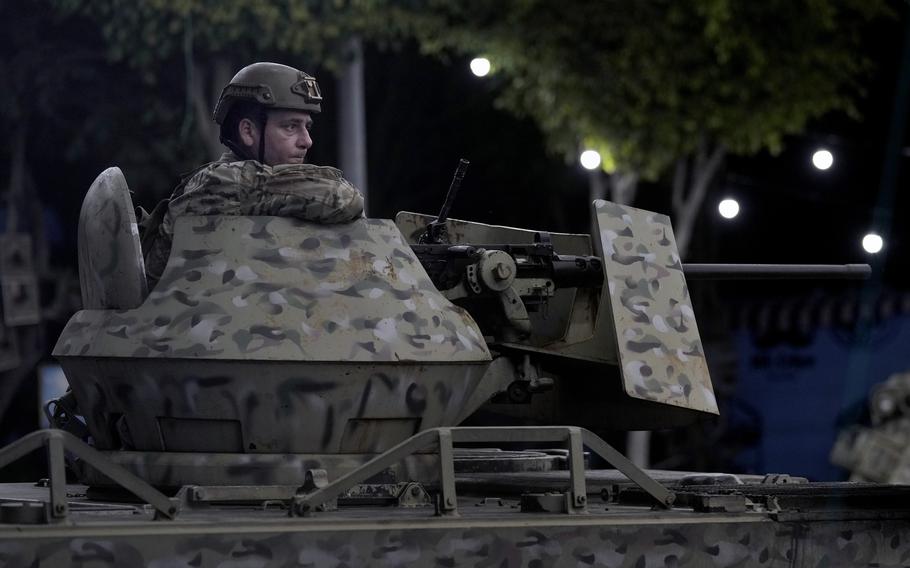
<point>263,119</point>
<point>237,149</point>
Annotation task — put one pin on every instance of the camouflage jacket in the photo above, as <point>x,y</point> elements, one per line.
<point>231,186</point>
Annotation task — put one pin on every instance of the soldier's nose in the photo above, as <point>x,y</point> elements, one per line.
<point>305,141</point>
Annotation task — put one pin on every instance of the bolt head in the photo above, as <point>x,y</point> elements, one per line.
<point>502,271</point>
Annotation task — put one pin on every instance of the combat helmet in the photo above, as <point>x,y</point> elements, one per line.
<point>271,85</point>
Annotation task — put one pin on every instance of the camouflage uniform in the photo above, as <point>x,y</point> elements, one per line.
<point>231,186</point>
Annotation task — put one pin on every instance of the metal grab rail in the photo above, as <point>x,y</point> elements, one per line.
<point>574,437</point>
<point>56,441</point>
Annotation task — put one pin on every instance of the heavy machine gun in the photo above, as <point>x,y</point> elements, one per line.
<point>541,291</point>
<point>534,272</point>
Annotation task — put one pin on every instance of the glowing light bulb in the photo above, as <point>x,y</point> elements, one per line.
<point>822,159</point>
<point>873,243</point>
<point>728,208</point>
<point>590,159</point>
<point>480,66</point>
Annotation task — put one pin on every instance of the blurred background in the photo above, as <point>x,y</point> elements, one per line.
<point>770,132</point>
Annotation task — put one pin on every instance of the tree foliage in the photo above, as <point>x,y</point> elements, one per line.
<point>147,32</point>
<point>196,45</point>
<point>645,81</point>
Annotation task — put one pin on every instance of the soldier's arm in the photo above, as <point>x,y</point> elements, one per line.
<point>307,192</point>
<point>311,193</point>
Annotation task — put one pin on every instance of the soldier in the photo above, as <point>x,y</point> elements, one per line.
<point>265,115</point>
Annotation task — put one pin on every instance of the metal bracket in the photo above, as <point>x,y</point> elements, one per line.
<point>412,495</point>
<point>576,439</point>
<point>58,441</point>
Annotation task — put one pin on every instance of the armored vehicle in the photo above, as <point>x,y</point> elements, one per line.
<point>290,393</point>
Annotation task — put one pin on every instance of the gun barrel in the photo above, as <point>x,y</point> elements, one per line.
<point>777,271</point>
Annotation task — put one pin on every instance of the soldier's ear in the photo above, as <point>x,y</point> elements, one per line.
<point>249,134</point>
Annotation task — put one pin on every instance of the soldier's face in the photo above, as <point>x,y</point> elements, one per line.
<point>287,137</point>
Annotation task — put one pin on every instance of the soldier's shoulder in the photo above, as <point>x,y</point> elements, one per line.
<point>310,172</point>
<point>224,169</point>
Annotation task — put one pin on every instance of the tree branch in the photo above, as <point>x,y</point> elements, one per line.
<point>596,188</point>
<point>624,186</point>
<point>679,184</point>
<point>701,153</point>
<point>701,180</point>
<point>18,175</point>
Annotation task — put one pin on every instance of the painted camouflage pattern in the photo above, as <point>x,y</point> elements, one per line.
<point>539,541</point>
<point>279,289</point>
<point>660,351</point>
<point>275,407</point>
<point>270,334</point>
<point>111,272</point>
<point>231,186</point>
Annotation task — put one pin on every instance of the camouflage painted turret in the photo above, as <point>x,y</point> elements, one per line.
<point>273,335</point>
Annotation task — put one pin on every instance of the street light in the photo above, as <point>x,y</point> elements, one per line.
<point>873,243</point>
<point>728,208</point>
<point>480,66</point>
<point>822,159</point>
<point>590,159</point>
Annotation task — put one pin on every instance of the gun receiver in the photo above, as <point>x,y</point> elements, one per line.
<point>446,264</point>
